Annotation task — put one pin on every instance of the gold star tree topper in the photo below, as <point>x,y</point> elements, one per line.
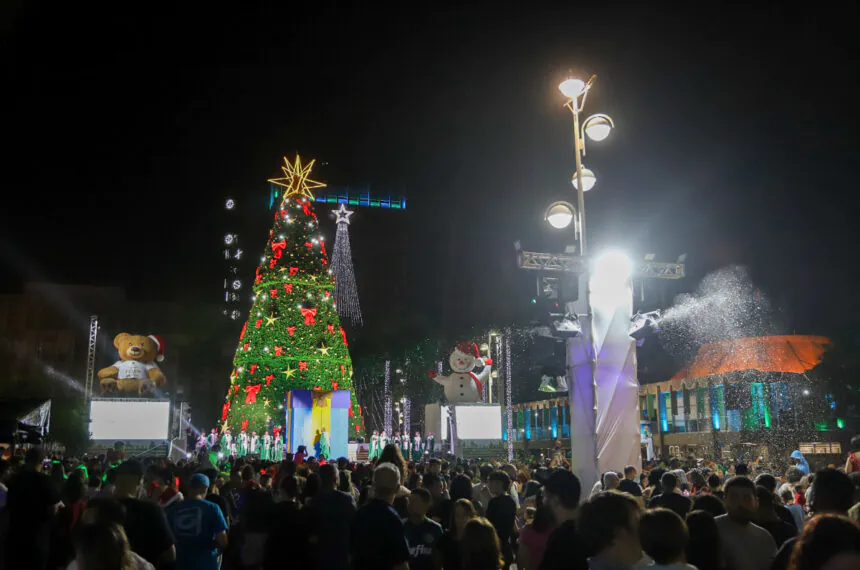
<point>296,179</point>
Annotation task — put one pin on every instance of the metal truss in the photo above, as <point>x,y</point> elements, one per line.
<point>91,355</point>
<point>575,264</point>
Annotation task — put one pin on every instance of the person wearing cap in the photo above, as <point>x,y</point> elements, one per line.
<point>199,527</point>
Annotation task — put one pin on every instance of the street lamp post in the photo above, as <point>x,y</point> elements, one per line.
<point>597,127</point>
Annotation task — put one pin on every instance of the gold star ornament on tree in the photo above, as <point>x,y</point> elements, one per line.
<point>296,179</point>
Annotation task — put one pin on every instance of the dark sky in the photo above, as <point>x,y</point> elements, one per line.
<point>125,127</point>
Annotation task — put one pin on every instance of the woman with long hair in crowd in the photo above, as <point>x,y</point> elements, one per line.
<point>103,546</point>
<point>480,546</point>
<point>828,542</point>
<point>450,544</point>
<point>533,538</point>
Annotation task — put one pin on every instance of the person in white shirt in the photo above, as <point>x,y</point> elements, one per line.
<point>746,546</point>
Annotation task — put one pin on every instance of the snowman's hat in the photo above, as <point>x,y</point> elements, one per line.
<point>468,347</point>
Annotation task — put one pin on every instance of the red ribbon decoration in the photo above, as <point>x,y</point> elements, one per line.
<point>244,425</point>
<point>351,413</point>
<point>309,315</point>
<point>324,262</point>
<point>294,270</point>
<point>278,350</point>
<point>309,245</point>
<point>278,248</point>
<point>306,209</point>
<point>343,334</point>
<point>225,409</point>
<point>322,245</point>
<point>269,379</point>
<point>259,323</point>
<point>327,294</point>
<point>273,293</point>
<point>258,277</point>
<point>252,392</point>
<point>253,368</point>
<point>303,365</point>
<point>235,389</point>
<point>272,263</point>
<point>331,329</point>
<point>245,347</point>
<point>342,371</point>
<point>334,387</point>
<point>276,431</point>
<point>291,330</point>
<point>288,287</point>
<point>242,334</point>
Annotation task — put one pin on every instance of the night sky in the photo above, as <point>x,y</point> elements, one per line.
<point>126,127</point>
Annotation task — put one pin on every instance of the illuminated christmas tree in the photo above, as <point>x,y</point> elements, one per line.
<point>292,344</point>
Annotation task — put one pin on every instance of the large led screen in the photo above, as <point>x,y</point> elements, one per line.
<point>478,422</point>
<point>124,419</point>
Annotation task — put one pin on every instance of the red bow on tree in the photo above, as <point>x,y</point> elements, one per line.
<point>258,277</point>
<point>272,263</point>
<point>306,209</point>
<point>291,330</point>
<point>303,365</point>
<point>278,350</point>
<point>269,379</point>
<point>309,245</point>
<point>259,323</point>
<point>276,431</point>
<point>330,328</point>
<point>245,347</point>
<point>288,287</point>
<point>278,248</point>
<point>334,385</point>
<point>252,393</point>
<point>273,293</point>
<point>294,270</point>
<point>309,315</point>
<point>350,413</point>
<point>322,246</point>
<point>253,368</point>
<point>225,409</point>
<point>244,424</point>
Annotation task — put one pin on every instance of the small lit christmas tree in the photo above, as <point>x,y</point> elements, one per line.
<point>292,340</point>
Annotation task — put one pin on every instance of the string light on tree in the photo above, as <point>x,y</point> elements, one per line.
<point>346,291</point>
<point>291,340</point>
<point>509,410</point>
<point>386,391</point>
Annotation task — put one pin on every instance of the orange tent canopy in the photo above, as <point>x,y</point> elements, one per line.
<point>789,353</point>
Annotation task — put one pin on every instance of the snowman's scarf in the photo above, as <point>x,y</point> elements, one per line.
<point>478,384</point>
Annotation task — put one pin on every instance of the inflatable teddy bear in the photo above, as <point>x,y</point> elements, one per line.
<point>136,372</point>
<point>463,385</point>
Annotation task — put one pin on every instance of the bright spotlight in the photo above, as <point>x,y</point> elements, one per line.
<point>806,392</point>
<point>598,127</point>
<point>560,214</point>
<point>610,277</point>
<point>572,88</point>
<point>588,180</point>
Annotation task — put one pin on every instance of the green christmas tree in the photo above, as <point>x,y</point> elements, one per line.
<point>292,339</point>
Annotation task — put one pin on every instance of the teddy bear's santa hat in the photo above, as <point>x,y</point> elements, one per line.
<point>468,347</point>
<point>159,345</point>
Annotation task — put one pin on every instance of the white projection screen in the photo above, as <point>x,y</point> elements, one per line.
<point>127,419</point>
<point>478,422</point>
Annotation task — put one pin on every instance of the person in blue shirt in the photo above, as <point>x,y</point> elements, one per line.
<point>198,527</point>
<point>800,461</point>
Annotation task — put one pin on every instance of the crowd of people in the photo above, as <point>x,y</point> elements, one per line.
<point>106,513</point>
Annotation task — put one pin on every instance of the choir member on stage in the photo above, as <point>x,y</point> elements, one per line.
<point>373,453</point>
<point>266,454</point>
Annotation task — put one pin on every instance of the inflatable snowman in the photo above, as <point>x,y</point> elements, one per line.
<point>463,385</point>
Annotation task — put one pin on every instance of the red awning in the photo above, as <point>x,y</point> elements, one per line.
<point>789,353</point>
